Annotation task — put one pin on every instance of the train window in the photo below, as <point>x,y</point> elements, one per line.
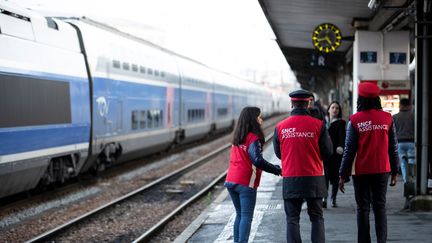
<point>156,117</point>
<point>156,72</point>
<point>51,23</point>
<point>222,111</point>
<point>142,69</point>
<point>162,74</point>
<point>134,119</point>
<point>195,115</point>
<point>143,120</point>
<point>134,67</point>
<point>150,71</point>
<point>149,119</point>
<point>31,101</point>
<point>161,117</point>
<point>116,63</point>
<point>126,66</point>
<point>15,15</point>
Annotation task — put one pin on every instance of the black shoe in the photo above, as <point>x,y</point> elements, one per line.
<point>334,204</point>
<point>324,204</point>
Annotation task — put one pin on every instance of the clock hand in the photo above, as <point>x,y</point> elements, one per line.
<point>327,39</point>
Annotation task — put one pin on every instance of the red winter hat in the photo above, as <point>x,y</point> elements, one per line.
<point>368,89</point>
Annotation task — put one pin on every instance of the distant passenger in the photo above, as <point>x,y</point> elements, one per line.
<point>245,168</point>
<point>372,137</point>
<point>336,128</point>
<point>404,123</point>
<point>316,110</point>
<point>302,142</point>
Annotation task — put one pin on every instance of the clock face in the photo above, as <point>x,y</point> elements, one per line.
<point>326,37</point>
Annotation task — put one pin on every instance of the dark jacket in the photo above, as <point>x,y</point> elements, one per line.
<point>305,186</point>
<point>336,129</point>
<point>404,123</point>
<point>255,153</point>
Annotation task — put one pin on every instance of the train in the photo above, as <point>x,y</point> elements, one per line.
<point>77,95</point>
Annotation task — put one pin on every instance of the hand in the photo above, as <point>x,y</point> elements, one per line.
<point>279,170</point>
<point>342,184</point>
<point>393,180</point>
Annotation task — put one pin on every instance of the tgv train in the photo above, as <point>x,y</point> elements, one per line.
<point>77,95</point>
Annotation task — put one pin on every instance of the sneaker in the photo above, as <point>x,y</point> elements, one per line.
<point>334,204</point>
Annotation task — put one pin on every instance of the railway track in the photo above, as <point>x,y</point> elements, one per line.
<point>151,191</point>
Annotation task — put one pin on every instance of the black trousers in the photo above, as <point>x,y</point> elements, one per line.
<point>292,211</point>
<point>371,189</point>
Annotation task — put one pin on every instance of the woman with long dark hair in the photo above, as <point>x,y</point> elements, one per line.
<point>245,168</point>
<point>336,128</point>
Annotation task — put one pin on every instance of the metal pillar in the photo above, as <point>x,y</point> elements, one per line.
<point>423,28</point>
<point>426,79</point>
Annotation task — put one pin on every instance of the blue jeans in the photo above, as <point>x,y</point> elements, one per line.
<point>371,189</point>
<point>406,152</point>
<point>244,199</point>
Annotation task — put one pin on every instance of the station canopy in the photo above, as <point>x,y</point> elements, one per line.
<point>294,21</point>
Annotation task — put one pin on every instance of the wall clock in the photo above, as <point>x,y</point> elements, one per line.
<point>326,37</point>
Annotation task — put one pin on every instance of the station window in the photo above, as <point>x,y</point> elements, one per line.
<point>134,67</point>
<point>126,66</point>
<point>134,119</point>
<point>116,63</point>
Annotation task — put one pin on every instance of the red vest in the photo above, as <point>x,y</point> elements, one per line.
<point>300,155</point>
<point>241,170</point>
<point>372,127</point>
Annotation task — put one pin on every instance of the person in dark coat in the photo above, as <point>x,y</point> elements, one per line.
<point>336,128</point>
<point>371,141</point>
<point>302,142</point>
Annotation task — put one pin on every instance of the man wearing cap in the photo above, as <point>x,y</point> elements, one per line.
<point>372,136</point>
<point>302,142</point>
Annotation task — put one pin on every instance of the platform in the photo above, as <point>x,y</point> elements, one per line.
<point>269,225</point>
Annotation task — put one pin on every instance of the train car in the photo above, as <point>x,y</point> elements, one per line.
<point>196,100</point>
<point>44,101</point>
<point>100,97</point>
<point>223,107</point>
<point>135,95</point>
